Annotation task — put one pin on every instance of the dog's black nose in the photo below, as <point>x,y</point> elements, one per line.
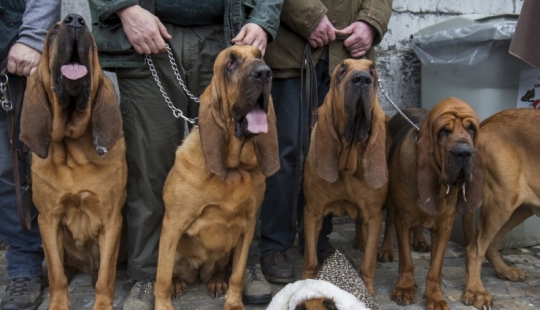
<point>463,152</point>
<point>262,73</point>
<point>362,79</point>
<point>74,20</point>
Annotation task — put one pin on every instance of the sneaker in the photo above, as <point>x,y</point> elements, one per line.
<point>277,267</point>
<point>256,289</point>
<point>141,296</point>
<point>23,294</point>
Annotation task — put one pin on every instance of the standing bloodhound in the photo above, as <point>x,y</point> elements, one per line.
<point>511,194</point>
<point>435,173</point>
<point>345,170</point>
<point>72,123</point>
<point>214,190</point>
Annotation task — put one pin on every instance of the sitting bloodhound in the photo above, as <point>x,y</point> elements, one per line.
<point>511,194</point>
<point>72,123</point>
<point>434,173</point>
<point>345,170</point>
<point>214,190</point>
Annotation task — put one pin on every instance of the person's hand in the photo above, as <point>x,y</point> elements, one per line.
<point>252,34</point>
<point>144,30</point>
<point>323,33</point>
<point>360,39</point>
<point>22,60</point>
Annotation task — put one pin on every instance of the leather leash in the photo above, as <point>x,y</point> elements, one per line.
<point>308,90</point>
<point>12,116</point>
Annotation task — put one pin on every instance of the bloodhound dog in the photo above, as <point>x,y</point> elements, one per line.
<point>345,170</point>
<point>214,190</point>
<point>72,123</point>
<point>435,173</point>
<point>511,194</point>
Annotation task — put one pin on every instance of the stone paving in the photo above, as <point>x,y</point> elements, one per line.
<point>506,294</point>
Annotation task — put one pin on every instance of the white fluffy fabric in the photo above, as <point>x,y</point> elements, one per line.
<point>293,294</point>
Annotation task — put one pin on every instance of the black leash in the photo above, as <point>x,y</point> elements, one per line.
<point>308,90</point>
<point>12,115</point>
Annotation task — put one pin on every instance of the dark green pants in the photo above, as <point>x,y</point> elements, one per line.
<point>153,133</point>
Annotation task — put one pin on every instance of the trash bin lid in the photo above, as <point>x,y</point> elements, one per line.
<point>468,20</point>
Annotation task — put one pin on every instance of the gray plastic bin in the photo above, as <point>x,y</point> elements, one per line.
<point>467,57</point>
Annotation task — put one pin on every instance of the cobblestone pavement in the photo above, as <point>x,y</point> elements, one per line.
<point>506,294</point>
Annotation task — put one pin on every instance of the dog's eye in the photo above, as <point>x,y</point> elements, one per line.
<point>232,64</point>
<point>471,131</point>
<point>444,132</point>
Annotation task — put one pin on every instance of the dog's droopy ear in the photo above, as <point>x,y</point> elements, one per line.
<point>36,117</point>
<point>106,117</point>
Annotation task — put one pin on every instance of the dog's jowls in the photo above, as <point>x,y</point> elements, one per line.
<point>217,183</point>
<point>72,123</point>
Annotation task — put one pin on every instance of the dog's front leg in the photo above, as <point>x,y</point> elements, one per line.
<point>313,219</point>
<point>439,239</point>
<point>233,298</point>
<point>371,224</point>
<point>53,245</point>
<point>170,235</point>
<point>109,244</point>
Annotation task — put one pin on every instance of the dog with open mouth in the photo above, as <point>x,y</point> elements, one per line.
<point>71,122</point>
<point>214,190</point>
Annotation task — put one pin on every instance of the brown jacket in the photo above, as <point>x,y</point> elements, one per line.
<point>300,17</point>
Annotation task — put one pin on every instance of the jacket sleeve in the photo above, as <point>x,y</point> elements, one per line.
<point>38,17</point>
<point>376,13</point>
<point>104,9</point>
<point>302,16</point>
<point>265,13</point>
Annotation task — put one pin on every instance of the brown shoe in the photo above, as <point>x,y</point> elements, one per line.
<point>277,267</point>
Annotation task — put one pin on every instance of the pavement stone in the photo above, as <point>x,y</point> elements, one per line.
<point>506,294</point>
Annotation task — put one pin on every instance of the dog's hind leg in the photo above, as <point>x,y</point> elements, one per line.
<point>492,254</point>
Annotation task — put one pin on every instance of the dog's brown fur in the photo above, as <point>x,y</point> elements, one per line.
<point>317,304</point>
<point>345,171</point>
<point>511,194</point>
<point>217,184</point>
<point>434,174</point>
<point>79,170</point>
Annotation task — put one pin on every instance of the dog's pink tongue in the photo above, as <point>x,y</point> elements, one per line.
<point>74,71</point>
<point>256,121</point>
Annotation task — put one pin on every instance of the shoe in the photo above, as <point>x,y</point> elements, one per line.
<point>23,294</point>
<point>256,289</point>
<point>141,296</point>
<point>277,267</point>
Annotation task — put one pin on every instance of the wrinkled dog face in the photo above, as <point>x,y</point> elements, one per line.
<point>247,84</point>
<point>71,46</point>
<point>456,134</point>
<point>357,81</point>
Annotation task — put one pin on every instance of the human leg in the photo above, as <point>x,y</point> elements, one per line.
<point>25,255</point>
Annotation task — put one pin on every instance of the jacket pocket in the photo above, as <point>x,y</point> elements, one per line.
<point>111,39</point>
<point>10,21</point>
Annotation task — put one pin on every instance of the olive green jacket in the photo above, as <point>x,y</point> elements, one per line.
<point>115,50</point>
<point>300,17</point>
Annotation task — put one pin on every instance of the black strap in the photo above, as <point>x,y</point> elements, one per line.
<point>308,84</point>
<point>12,116</point>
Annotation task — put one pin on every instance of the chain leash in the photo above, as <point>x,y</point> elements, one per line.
<point>5,102</point>
<point>176,112</point>
<point>383,91</point>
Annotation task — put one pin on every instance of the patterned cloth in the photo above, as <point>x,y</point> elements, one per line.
<point>337,270</point>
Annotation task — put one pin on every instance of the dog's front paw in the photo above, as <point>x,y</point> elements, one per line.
<point>477,298</point>
<point>437,303</point>
<point>233,307</point>
<point>404,296</point>
<point>514,274</point>
<point>217,286</point>
<point>179,287</point>
<point>385,255</point>
<point>420,246</point>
